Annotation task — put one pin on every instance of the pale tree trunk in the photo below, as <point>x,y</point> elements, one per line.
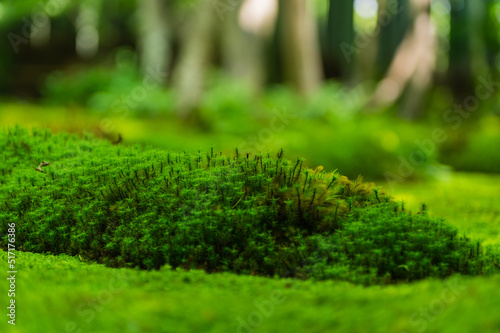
<point>154,43</point>
<point>87,29</point>
<point>195,55</point>
<point>412,67</point>
<point>300,51</point>
<point>394,21</point>
<point>242,52</point>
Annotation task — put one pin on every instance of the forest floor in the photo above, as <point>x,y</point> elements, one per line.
<point>66,295</point>
<point>63,294</point>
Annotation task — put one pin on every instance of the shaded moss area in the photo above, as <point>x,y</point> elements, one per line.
<point>247,214</point>
<point>100,299</point>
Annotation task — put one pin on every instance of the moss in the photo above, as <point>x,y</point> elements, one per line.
<point>264,215</point>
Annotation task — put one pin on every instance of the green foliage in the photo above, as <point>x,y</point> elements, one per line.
<point>364,144</point>
<point>226,103</point>
<point>478,153</point>
<point>82,85</point>
<point>119,88</point>
<point>134,206</point>
<point>360,146</point>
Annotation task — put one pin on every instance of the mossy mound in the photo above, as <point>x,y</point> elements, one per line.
<point>134,206</point>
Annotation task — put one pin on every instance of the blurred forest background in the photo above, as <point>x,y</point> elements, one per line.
<point>391,89</point>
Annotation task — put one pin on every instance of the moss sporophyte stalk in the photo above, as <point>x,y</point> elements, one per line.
<point>247,214</point>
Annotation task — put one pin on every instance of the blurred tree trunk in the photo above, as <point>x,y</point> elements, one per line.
<point>340,38</point>
<point>242,52</point>
<point>394,19</point>
<point>154,43</point>
<point>419,85</point>
<point>490,31</point>
<point>490,28</point>
<point>40,37</point>
<point>410,73</point>
<point>194,58</point>
<point>274,67</point>
<point>87,29</point>
<point>460,64</point>
<point>300,52</point>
